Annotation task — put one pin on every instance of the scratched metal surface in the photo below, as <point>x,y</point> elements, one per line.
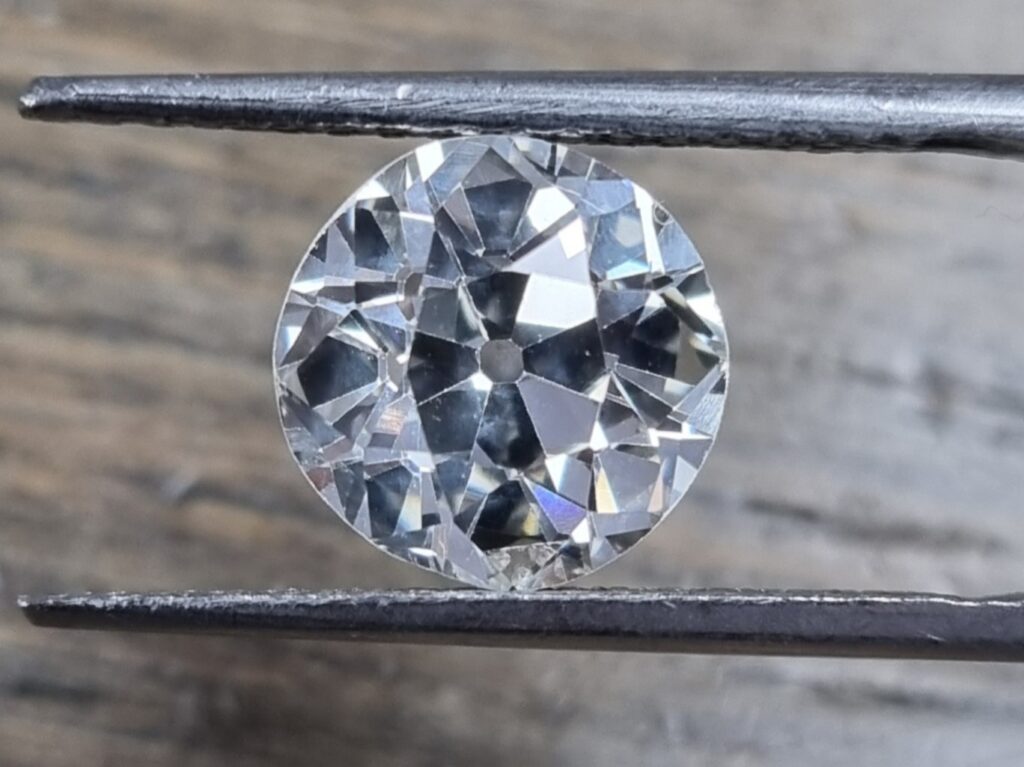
<point>873,438</point>
<point>847,624</point>
<point>823,112</point>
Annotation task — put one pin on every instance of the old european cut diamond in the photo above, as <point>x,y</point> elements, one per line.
<point>501,361</point>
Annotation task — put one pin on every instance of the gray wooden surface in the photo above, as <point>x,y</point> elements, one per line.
<point>874,437</point>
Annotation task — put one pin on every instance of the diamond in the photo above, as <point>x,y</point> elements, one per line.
<point>501,361</point>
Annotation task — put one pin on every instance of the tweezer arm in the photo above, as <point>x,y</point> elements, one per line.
<point>852,624</point>
<point>826,112</point>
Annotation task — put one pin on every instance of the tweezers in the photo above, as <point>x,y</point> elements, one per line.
<point>828,112</point>
<point>824,112</point>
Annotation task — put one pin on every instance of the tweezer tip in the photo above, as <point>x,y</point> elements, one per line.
<point>31,100</point>
<point>30,608</point>
<point>46,611</point>
<point>47,98</point>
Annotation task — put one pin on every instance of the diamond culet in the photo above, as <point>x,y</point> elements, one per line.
<point>501,361</point>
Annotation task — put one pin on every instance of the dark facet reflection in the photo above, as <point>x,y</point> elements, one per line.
<point>507,435</point>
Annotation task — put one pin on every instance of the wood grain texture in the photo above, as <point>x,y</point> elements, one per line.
<point>874,436</point>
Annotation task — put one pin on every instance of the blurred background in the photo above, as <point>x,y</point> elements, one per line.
<point>874,436</point>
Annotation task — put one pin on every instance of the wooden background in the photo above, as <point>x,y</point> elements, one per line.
<point>874,437</point>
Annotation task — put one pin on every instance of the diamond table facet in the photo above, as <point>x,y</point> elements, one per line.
<point>501,361</point>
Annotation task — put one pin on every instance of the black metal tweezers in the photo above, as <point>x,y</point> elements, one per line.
<point>970,114</point>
